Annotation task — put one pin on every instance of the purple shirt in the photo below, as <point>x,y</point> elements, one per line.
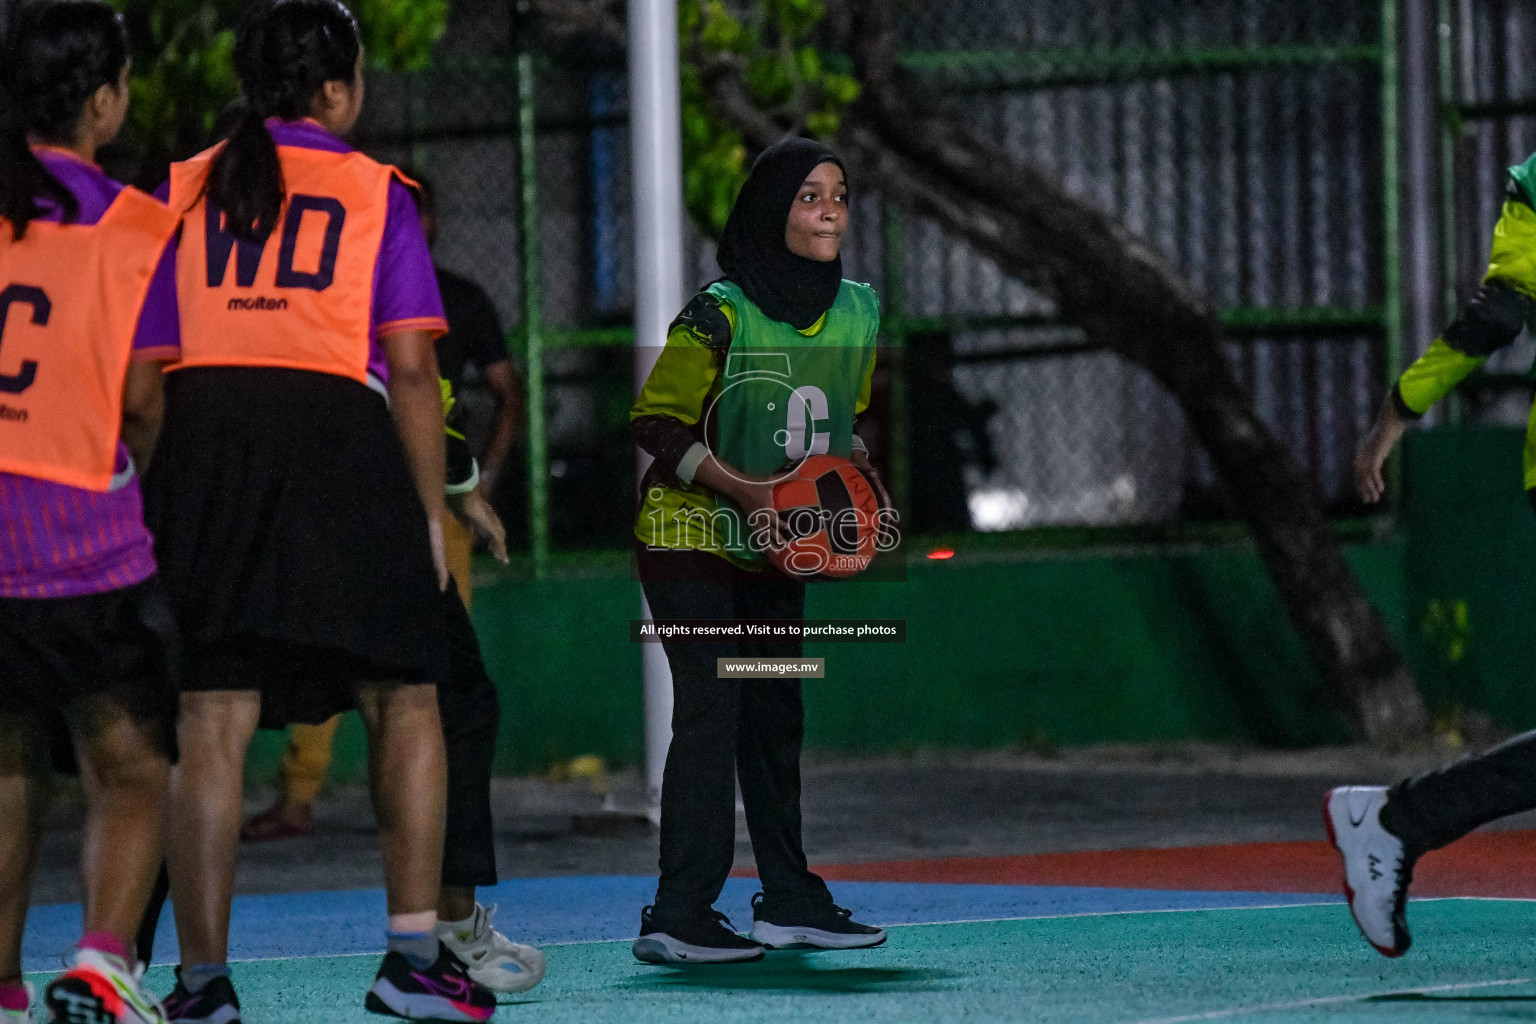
<point>61,541</point>
<point>405,295</point>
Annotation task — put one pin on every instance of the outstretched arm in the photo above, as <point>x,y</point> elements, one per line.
<point>1489,322</point>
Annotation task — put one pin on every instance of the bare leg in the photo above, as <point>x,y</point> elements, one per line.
<point>23,793</point>
<point>407,778</point>
<point>123,770</point>
<point>456,903</point>
<point>204,827</point>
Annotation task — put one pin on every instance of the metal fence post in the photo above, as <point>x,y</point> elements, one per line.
<point>893,255</point>
<point>538,446</point>
<point>1450,138</point>
<point>1391,243</point>
<point>1391,184</point>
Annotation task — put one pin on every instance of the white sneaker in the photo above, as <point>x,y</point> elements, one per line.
<point>22,1016</point>
<point>492,959</point>
<point>100,988</point>
<point>1375,873</point>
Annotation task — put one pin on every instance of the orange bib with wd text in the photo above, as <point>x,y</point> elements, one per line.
<point>304,299</point>
<point>70,297</point>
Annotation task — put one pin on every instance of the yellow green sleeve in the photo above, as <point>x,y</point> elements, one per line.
<point>680,381</point>
<point>1514,247</point>
<point>1432,375</point>
<point>866,388</point>
<point>1493,319</point>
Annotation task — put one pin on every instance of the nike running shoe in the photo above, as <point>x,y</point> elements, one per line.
<point>1376,871</point>
<point>216,1003</point>
<point>100,988</point>
<point>442,992</point>
<point>706,938</point>
<point>813,926</point>
<point>24,1015</point>
<point>492,959</point>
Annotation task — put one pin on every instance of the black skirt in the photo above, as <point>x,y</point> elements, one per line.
<point>291,540</point>
<point>55,651</point>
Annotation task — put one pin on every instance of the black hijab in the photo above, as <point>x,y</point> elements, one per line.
<point>788,288</point>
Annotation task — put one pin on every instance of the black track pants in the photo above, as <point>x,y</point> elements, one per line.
<point>726,730</point>
<point>471,713</point>
<point>1439,807</point>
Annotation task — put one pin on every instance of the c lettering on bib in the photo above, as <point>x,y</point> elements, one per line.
<point>42,309</point>
<point>807,406</point>
<point>70,299</point>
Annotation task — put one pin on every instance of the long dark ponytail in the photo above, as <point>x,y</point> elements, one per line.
<point>285,51</point>
<point>55,57</point>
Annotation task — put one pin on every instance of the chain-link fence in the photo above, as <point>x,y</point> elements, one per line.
<point>1243,138</point>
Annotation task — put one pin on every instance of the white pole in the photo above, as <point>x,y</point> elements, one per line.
<point>656,151</point>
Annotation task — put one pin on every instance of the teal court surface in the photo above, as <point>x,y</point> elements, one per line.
<point>957,951</point>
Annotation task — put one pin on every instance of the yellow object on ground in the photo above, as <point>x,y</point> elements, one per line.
<point>306,760</point>
<point>588,768</point>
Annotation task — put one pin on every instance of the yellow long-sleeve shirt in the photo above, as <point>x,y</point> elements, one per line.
<point>667,421</point>
<point>1492,320</point>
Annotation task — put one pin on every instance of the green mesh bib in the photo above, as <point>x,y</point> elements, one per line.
<point>784,396</point>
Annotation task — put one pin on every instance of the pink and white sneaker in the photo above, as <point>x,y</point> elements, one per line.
<point>442,992</point>
<point>100,988</point>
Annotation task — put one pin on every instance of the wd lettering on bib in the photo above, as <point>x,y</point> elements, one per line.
<point>317,269</point>
<point>70,297</point>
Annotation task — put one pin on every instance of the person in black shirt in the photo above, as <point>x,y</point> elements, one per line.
<point>475,337</point>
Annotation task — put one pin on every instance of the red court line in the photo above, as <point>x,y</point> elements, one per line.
<point>1498,864</point>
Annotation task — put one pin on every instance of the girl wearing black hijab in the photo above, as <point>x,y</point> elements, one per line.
<point>766,366</point>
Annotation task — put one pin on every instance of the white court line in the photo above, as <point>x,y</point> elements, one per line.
<point>1301,1004</point>
<point>900,924</point>
<point>1324,901</point>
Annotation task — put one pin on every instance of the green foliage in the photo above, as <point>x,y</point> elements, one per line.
<point>783,74</point>
<point>399,34</point>
<point>183,72</point>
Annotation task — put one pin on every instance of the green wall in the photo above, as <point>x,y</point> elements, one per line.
<point>1471,548</point>
<point>1024,649</point>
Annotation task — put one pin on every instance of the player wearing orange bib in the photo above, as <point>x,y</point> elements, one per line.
<point>298,499</point>
<point>86,307</point>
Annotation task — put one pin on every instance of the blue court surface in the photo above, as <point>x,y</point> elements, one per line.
<point>958,953</point>
<point>607,907</point>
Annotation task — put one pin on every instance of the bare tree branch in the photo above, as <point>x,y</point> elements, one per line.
<point>564,21</point>
<point>1126,296</point>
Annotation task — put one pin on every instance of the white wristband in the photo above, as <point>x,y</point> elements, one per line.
<point>692,459</point>
<point>468,485</point>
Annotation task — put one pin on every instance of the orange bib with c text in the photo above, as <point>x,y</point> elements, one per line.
<point>70,298</point>
<point>304,299</point>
